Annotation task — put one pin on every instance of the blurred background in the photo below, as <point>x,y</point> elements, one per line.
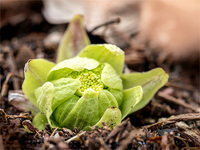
<point>163,33</point>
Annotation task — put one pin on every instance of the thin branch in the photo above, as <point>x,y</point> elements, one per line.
<point>173,119</point>
<point>117,20</point>
<point>75,137</point>
<point>54,131</point>
<point>181,86</point>
<point>178,101</point>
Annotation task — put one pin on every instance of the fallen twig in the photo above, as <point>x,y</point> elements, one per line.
<point>5,86</point>
<point>125,142</point>
<point>117,20</point>
<point>173,119</point>
<point>54,131</point>
<point>1,142</point>
<point>23,115</point>
<point>181,86</point>
<point>178,101</point>
<point>13,68</point>
<point>75,137</point>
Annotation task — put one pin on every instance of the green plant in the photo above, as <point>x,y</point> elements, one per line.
<point>88,89</point>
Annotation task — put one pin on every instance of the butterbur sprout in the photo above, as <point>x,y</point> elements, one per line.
<point>88,89</point>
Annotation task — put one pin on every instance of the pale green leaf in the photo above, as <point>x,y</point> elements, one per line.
<point>106,100</point>
<point>150,81</point>
<point>111,117</point>
<point>65,67</point>
<point>85,112</point>
<point>64,88</point>
<point>105,53</point>
<point>118,94</point>
<point>39,121</point>
<point>35,71</point>
<point>75,39</point>
<point>44,97</point>
<point>62,111</point>
<point>131,98</point>
<point>110,78</point>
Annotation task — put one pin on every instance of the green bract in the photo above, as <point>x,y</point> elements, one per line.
<point>88,89</point>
